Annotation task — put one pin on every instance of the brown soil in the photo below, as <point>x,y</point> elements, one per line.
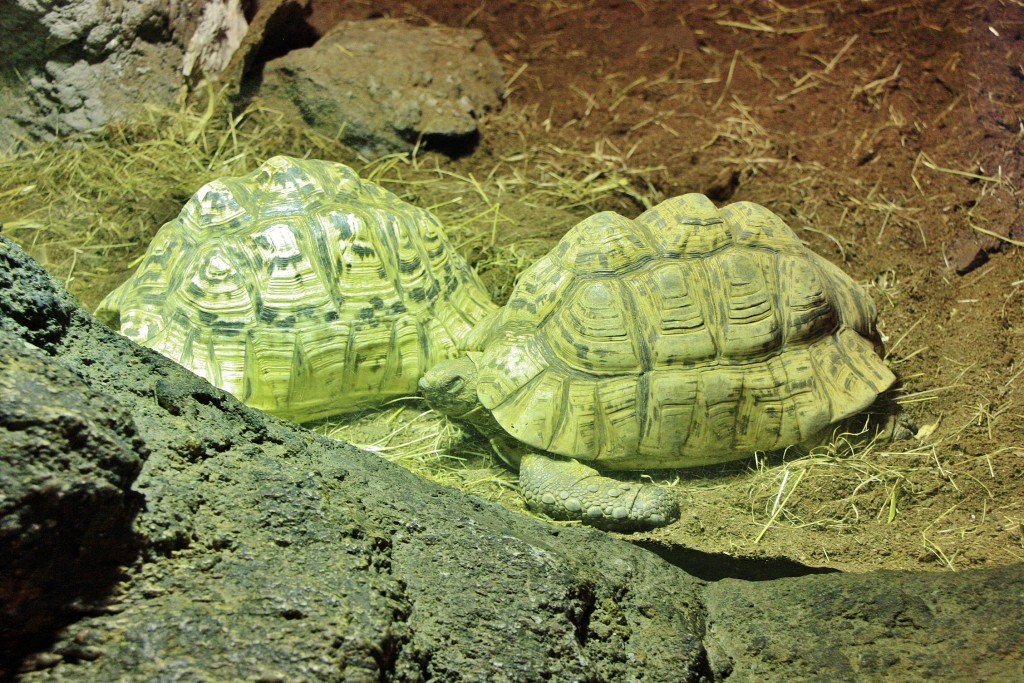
<point>890,136</point>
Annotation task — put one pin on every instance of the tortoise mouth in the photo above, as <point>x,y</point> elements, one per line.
<point>450,388</point>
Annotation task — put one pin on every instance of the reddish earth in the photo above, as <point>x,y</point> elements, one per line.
<point>890,136</point>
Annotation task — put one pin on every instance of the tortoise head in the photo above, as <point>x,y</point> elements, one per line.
<point>450,388</point>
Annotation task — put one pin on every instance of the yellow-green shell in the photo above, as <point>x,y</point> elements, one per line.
<point>302,290</point>
<point>687,336</point>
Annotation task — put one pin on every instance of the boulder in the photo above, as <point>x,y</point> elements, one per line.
<point>882,625</point>
<point>73,66</point>
<point>384,85</point>
<point>253,549</point>
<point>70,68</point>
<point>70,455</point>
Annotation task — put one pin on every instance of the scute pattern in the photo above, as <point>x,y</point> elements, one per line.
<point>302,289</point>
<point>691,335</point>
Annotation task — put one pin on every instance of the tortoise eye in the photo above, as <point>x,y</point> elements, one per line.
<point>454,385</point>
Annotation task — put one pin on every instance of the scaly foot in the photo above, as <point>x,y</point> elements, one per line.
<point>567,489</point>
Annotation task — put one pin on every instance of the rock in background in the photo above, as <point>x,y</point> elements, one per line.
<point>71,66</point>
<point>383,85</point>
<point>877,626</point>
<point>219,32</point>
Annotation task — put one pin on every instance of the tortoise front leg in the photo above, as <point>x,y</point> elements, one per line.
<point>568,489</point>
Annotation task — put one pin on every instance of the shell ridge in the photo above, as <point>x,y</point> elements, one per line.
<point>643,405</point>
<point>517,405</point>
<point>602,438</point>
<point>388,241</point>
<point>248,379</point>
<point>864,363</point>
<point>708,276</point>
<point>752,327</point>
<point>687,226</point>
<point>394,365</point>
<point>562,413</point>
<point>797,396</point>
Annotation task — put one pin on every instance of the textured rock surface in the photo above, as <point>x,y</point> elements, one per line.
<point>73,66</point>
<point>32,308</point>
<point>66,506</point>
<point>385,84</point>
<point>896,626</point>
<point>69,455</point>
<point>269,553</point>
<point>277,27</point>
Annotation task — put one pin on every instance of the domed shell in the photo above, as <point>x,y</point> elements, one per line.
<point>302,290</point>
<point>688,336</point>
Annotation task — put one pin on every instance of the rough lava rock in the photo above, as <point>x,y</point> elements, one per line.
<point>32,308</point>
<point>70,455</point>
<point>881,625</point>
<point>384,85</point>
<point>265,552</point>
<point>268,552</point>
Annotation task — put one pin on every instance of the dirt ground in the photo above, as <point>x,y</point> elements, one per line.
<point>890,136</point>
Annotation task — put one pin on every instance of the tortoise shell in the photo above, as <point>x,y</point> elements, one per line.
<point>302,290</point>
<point>688,336</point>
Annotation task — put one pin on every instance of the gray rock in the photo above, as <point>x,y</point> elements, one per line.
<point>271,553</point>
<point>32,307</point>
<point>70,455</point>
<point>383,85</point>
<point>72,66</point>
<point>885,625</point>
<point>267,552</point>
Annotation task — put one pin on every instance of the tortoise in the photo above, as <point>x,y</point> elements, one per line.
<point>688,336</point>
<point>302,290</point>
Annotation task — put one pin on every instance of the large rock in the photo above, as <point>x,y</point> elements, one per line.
<point>271,553</point>
<point>385,85</point>
<point>71,66</point>
<point>266,552</point>
<point>885,625</point>
<point>70,455</point>
<point>32,308</point>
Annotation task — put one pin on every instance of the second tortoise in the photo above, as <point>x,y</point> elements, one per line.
<point>689,336</point>
<point>302,289</point>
